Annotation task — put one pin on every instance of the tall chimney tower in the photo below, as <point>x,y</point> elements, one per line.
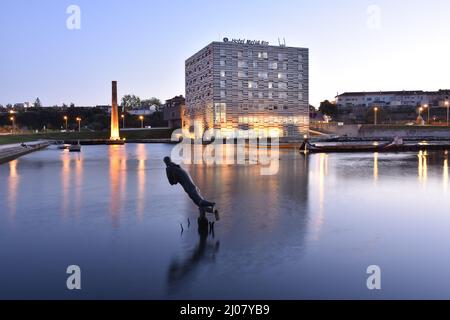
<point>115,135</point>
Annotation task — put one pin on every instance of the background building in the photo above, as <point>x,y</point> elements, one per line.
<point>238,84</point>
<point>173,112</point>
<point>392,98</point>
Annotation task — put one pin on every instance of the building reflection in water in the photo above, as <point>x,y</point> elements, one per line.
<point>252,206</point>
<point>141,154</point>
<point>320,175</point>
<point>13,185</point>
<point>117,181</point>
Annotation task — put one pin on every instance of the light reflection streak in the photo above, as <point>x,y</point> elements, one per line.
<point>13,184</point>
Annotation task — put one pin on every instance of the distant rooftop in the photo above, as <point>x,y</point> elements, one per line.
<point>404,92</point>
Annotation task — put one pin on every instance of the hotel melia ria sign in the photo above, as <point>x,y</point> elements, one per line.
<point>244,41</point>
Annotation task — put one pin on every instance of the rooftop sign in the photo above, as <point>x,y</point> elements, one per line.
<point>249,42</point>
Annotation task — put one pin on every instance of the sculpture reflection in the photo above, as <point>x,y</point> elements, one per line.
<point>205,251</point>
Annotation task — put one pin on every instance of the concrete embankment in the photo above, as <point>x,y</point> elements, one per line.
<point>385,131</point>
<point>11,152</point>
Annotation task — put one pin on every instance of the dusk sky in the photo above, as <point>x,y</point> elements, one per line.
<point>355,45</point>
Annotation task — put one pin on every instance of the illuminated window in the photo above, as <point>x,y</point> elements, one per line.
<point>242,64</point>
<point>282,76</point>
<point>280,57</point>
<point>263,55</point>
<point>223,93</point>
<point>263,75</point>
<point>222,62</point>
<point>273,65</point>
<point>222,73</point>
<point>270,85</point>
<point>252,85</point>
<point>270,95</point>
<point>223,83</point>
<point>220,113</point>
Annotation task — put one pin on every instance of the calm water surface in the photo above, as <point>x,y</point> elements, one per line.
<point>308,232</point>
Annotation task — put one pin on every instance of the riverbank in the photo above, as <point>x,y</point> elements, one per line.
<point>14,151</point>
<point>129,135</point>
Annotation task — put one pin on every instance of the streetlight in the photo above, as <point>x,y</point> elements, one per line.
<point>65,120</point>
<point>142,121</point>
<point>13,120</point>
<point>426,106</point>
<point>375,110</point>
<point>123,121</point>
<point>79,124</point>
<point>447,105</point>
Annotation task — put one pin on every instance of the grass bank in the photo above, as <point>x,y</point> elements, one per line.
<point>87,135</point>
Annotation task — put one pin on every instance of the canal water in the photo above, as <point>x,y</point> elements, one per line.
<point>310,231</point>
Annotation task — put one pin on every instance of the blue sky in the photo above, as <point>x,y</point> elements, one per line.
<point>354,44</point>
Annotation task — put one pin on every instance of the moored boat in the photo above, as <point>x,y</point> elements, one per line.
<point>374,147</point>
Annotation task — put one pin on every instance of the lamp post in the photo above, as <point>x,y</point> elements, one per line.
<point>13,120</point>
<point>123,121</point>
<point>426,106</point>
<point>375,110</point>
<point>447,105</point>
<point>79,124</point>
<point>65,121</point>
<point>142,121</point>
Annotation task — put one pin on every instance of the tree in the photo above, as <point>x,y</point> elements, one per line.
<point>130,101</point>
<point>328,108</point>
<point>37,103</point>
<point>152,102</point>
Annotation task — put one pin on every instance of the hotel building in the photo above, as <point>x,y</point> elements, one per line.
<point>239,84</point>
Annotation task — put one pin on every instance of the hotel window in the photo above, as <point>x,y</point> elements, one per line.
<point>282,95</point>
<point>222,62</point>
<point>222,73</point>
<point>242,64</point>
<point>240,54</point>
<point>250,54</point>
<point>300,57</point>
<point>285,66</point>
<point>263,55</point>
<point>242,74</point>
<point>255,64</point>
<point>220,112</point>
<point>273,65</point>
<point>252,85</point>
<point>300,96</point>
<point>250,94</point>
<point>270,95</point>
<point>300,67</point>
<point>263,75</point>
<point>270,85</point>
<point>280,57</point>
<point>223,83</point>
<point>260,95</point>
<point>300,76</point>
<point>240,85</point>
<point>282,85</point>
<point>223,94</point>
<point>282,76</point>
<point>300,86</point>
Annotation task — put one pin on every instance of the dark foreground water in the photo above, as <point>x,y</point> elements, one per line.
<point>310,231</point>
